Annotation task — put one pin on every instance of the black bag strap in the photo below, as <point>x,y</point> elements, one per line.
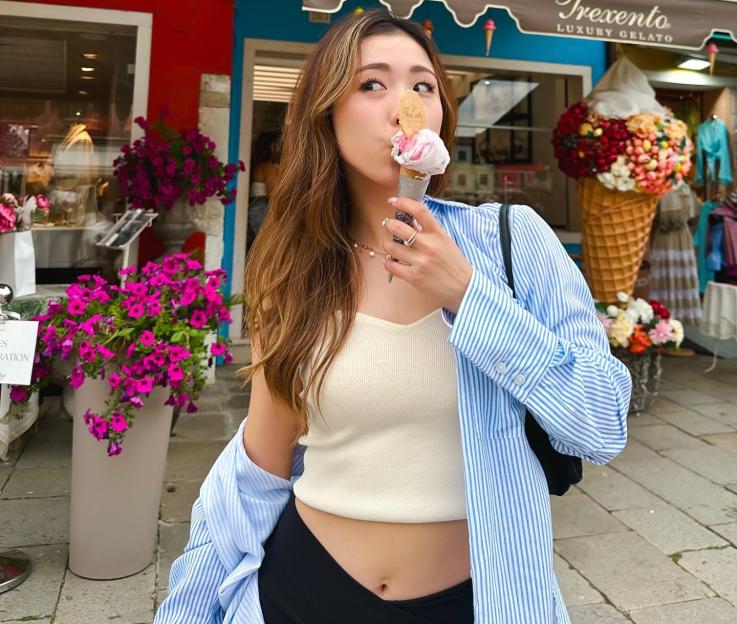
<point>505,234</point>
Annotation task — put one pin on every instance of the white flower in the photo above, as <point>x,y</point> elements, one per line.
<point>620,331</point>
<point>612,311</point>
<point>644,310</point>
<point>623,297</point>
<point>677,328</point>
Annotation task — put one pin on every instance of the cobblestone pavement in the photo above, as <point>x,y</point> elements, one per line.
<point>650,538</point>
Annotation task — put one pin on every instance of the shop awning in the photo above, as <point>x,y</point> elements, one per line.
<point>671,23</point>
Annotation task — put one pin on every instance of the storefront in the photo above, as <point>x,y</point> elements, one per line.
<point>508,104</point>
<point>73,77</point>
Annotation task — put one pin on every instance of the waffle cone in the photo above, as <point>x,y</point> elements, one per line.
<point>616,230</point>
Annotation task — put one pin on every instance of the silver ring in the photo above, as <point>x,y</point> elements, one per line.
<point>411,240</point>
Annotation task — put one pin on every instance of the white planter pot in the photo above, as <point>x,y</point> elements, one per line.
<point>115,500</point>
<point>174,226</point>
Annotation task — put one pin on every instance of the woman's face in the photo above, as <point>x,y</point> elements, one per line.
<point>365,120</point>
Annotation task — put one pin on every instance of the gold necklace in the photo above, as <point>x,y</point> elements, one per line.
<point>369,250</point>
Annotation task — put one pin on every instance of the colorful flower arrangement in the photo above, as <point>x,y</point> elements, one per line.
<point>638,326</point>
<point>150,331</point>
<point>17,214</point>
<point>168,164</point>
<point>645,153</point>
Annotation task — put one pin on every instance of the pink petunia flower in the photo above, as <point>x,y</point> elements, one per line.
<point>76,378</point>
<point>19,394</point>
<point>175,372</point>
<point>218,348</point>
<point>144,385</point>
<point>118,423</point>
<point>136,310</point>
<point>198,320</point>
<point>147,338</point>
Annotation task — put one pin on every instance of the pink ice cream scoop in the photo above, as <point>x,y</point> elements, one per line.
<point>423,152</point>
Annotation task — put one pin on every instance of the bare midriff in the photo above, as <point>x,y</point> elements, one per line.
<point>396,561</point>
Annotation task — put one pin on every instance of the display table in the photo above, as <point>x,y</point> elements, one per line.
<point>719,318</point>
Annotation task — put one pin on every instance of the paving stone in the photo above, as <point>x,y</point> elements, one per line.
<point>717,567</point>
<point>34,521</point>
<point>172,540</point>
<point>191,460</point>
<point>201,427</point>
<point>723,412</point>
<point>46,453</point>
<point>726,441</point>
<point>176,506</point>
<point>576,514</point>
<point>711,610</point>
<point>662,406</point>
<point>596,614</point>
<point>128,600</point>
<point>696,423</point>
<point>669,529</point>
<point>5,472</point>
<point>663,437</point>
<point>575,588</point>
<point>237,402</point>
<point>689,397</point>
<point>728,531</point>
<point>699,498</point>
<point>634,450</point>
<point>630,572</point>
<point>36,596</point>
<point>39,482</point>
<point>643,419</point>
<point>612,490</point>
<point>713,463</point>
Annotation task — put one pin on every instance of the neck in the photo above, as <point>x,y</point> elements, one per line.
<point>369,207</point>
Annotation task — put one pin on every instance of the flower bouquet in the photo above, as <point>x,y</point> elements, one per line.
<point>639,332</point>
<point>625,151</point>
<point>17,214</point>
<point>168,164</point>
<point>149,332</point>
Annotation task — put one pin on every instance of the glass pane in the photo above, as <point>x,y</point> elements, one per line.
<point>503,150</point>
<point>66,94</point>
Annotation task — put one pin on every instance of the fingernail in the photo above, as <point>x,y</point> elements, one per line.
<point>417,225</point>
<point>385,220</point>
<point>392,200</point>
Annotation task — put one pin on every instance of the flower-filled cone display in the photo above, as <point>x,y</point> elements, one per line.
<point>625,151</point>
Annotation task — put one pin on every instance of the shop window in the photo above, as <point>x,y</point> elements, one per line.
<point>66,95</point>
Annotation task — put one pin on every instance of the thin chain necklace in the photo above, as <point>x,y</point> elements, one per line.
<point>366,249</point>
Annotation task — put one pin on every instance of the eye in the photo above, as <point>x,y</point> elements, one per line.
<point>371,85</point>
<point>424,87</point>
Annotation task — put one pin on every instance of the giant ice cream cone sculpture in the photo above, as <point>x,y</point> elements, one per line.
<point>625,150</point>
<point>419,151</point>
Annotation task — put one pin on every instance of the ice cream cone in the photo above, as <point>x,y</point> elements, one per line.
<point>711,53</point>
<point>489,27</point>
<point>616,230</point>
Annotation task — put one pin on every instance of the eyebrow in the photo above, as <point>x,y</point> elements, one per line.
<point>415,69</point>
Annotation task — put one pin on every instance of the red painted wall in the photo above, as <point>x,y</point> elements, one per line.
<point>189,38</point>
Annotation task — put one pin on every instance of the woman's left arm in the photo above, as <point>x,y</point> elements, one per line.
<point>548,349</point>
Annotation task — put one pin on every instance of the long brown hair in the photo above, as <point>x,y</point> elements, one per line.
<point>301,268</point>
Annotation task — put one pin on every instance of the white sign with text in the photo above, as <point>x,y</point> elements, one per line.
<point>17,349</point>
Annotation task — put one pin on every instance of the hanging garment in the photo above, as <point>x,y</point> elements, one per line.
<point>700,241</point>
<point>712,145</point>
<point>674,279</point>
<point>724,218</point>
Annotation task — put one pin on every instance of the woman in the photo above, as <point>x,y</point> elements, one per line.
<point>264,177</point>
<point>408,493</point>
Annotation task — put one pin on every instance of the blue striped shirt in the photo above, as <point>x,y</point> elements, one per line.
<point>545,351</point>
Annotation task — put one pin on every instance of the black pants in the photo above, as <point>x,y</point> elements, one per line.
<point>300,583</point>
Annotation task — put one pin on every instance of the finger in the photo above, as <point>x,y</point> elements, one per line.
<point>400,229</point>
<point>419,211</point>
<point>400,252</point>
<point>402,271</point>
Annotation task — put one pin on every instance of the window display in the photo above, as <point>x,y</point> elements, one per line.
<point>66,95</point>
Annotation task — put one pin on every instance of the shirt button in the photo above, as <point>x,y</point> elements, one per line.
<point>501,368</point>
<point>519,380</point>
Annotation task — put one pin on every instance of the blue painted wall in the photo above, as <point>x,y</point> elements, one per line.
<point>285,20</point>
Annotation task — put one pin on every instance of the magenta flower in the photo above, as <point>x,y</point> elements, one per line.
<point>77,377</point>
<point>114,380</point>
<point>113,449</point>
<point>175,372</point>
<point>76,307</point>
<point>99,427</point>
<point>105,352</point>
<point>118,423</point>
<point>147,338</point>
<point>136,310</point>
<point>144,385</point>
<point>198,319</point>
<point>218,348</point>
<point>19,394</point>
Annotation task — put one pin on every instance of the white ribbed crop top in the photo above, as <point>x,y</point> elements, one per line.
<point>387,445</point>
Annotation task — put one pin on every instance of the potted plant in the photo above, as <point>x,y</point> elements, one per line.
<point>639,332</point>
<point>136,351</point>
<point>169,169</point>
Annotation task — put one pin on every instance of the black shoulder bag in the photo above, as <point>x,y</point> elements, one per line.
<point>561,471</point>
